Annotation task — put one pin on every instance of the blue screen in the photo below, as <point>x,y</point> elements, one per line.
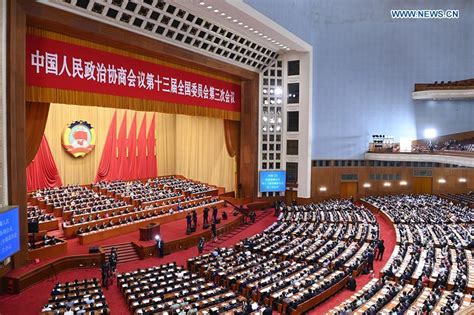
<point>9,233</point>
<point>272,181</point>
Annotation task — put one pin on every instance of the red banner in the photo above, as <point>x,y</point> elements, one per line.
<point>56,64</point>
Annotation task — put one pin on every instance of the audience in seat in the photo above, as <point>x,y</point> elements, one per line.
<point>174,290</point>
<point>431,269</point>
<point>293,265</point>
<point>77,297</point>
<point>35,214</point>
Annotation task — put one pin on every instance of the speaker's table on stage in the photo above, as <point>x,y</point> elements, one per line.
<point>148,232</point>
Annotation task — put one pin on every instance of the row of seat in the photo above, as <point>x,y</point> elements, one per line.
<point>171,289</point>
<point>78,297</point>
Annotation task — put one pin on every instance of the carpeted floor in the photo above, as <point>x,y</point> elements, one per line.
<point>32,299</point>
<point>169,231</point>
<point>387,233</point>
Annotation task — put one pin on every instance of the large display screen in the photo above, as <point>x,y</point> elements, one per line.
<point>272,181</point>
<point>9,232</point>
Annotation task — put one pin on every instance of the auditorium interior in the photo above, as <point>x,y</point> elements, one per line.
<point>236,157</point>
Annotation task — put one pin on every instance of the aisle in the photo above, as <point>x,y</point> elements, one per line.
<point>32,300</point>
<point>387,233</point>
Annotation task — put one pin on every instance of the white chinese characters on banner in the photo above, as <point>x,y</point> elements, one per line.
<point>52,64</point>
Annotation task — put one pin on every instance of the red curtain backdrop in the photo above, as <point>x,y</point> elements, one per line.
<point>151,156</point>
<point>132,171</point>
<point>42,171</point>
<point>128,157</point>
<point>141,160</point>
<point>107,161</point>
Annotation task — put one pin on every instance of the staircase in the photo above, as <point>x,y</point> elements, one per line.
<point>209,246</point>
<point>125,252</point>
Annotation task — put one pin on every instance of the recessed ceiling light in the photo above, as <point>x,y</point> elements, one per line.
<point>273,41</point>
<point>281,45</point>
<point>216,10</point>
<point>229,17</point>
<point>288,49</point>
<point>277,43</point>
<point>251,29</point>
<point>201,3</point>
<point>240,23</point>
<point>265,36</point>
<point>245,26</point>
<point>260,34</point>
<point>223,14</point>
<point>209,6</point>
<point>234,20</point>
<point>269,38</point>
<point>255,32</point>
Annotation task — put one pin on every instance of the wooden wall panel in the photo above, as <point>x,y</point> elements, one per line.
<point>330,177</point>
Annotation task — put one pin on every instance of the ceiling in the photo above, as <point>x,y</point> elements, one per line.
<point>230,31</point>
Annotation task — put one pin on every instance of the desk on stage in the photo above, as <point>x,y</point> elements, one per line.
<point>148,232</point>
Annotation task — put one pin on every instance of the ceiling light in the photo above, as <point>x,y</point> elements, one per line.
<point>278,128</point>
<point>260,34</point>
<point>240,23</point>
<point>366,185</point>
<point>264,128</point>
<point>234,20</point>
<point>462,180</point>
<point>387,184</point>
<point>265,91</point>
<point>430,133</point>
<point>255,31</point>
<point>201,3</point>
<point>223,14</point>
<point>279,120</point>
<point>209,6</point>
<point>216,10</point>
<point>442,181</point>
<point>265,118</point>
<point>273,41</point>
<point>288,49</point>
<point>278,43</point>
<point>403,183</point>
<point>271,128</point>
<point>278,91</point>
<point>251,29</point>
<point>323,188</point>
<point>278,100</point>
<point>246,26</point>
<point>265,36</point>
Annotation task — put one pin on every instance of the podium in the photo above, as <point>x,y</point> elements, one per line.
<point>148,233</point>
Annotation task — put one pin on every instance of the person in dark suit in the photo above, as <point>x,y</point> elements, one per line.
<point>195,219</point>
<point>188,222</point>
<point>381,249</point>
<point>201,245</point>
<point>105,274</point>
<point>113,259</point>
<point>205,221</point>
<point>351,284</point>
<point>214,213</point>
<point>370,260</point>
<point>214,230</point>
<point>160,246</point>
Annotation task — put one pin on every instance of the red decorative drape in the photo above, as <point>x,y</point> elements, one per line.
<point>151,156</point>
<point>122,160</point>
<point>128,157</point>
<point>132,151</point>
<point>42,171</point>
<point>107,165</point>
<point>141,160</point>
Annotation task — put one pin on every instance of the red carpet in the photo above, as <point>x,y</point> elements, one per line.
<point>32,300</point>
<point>387,233</point>
<point>169,231</point>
